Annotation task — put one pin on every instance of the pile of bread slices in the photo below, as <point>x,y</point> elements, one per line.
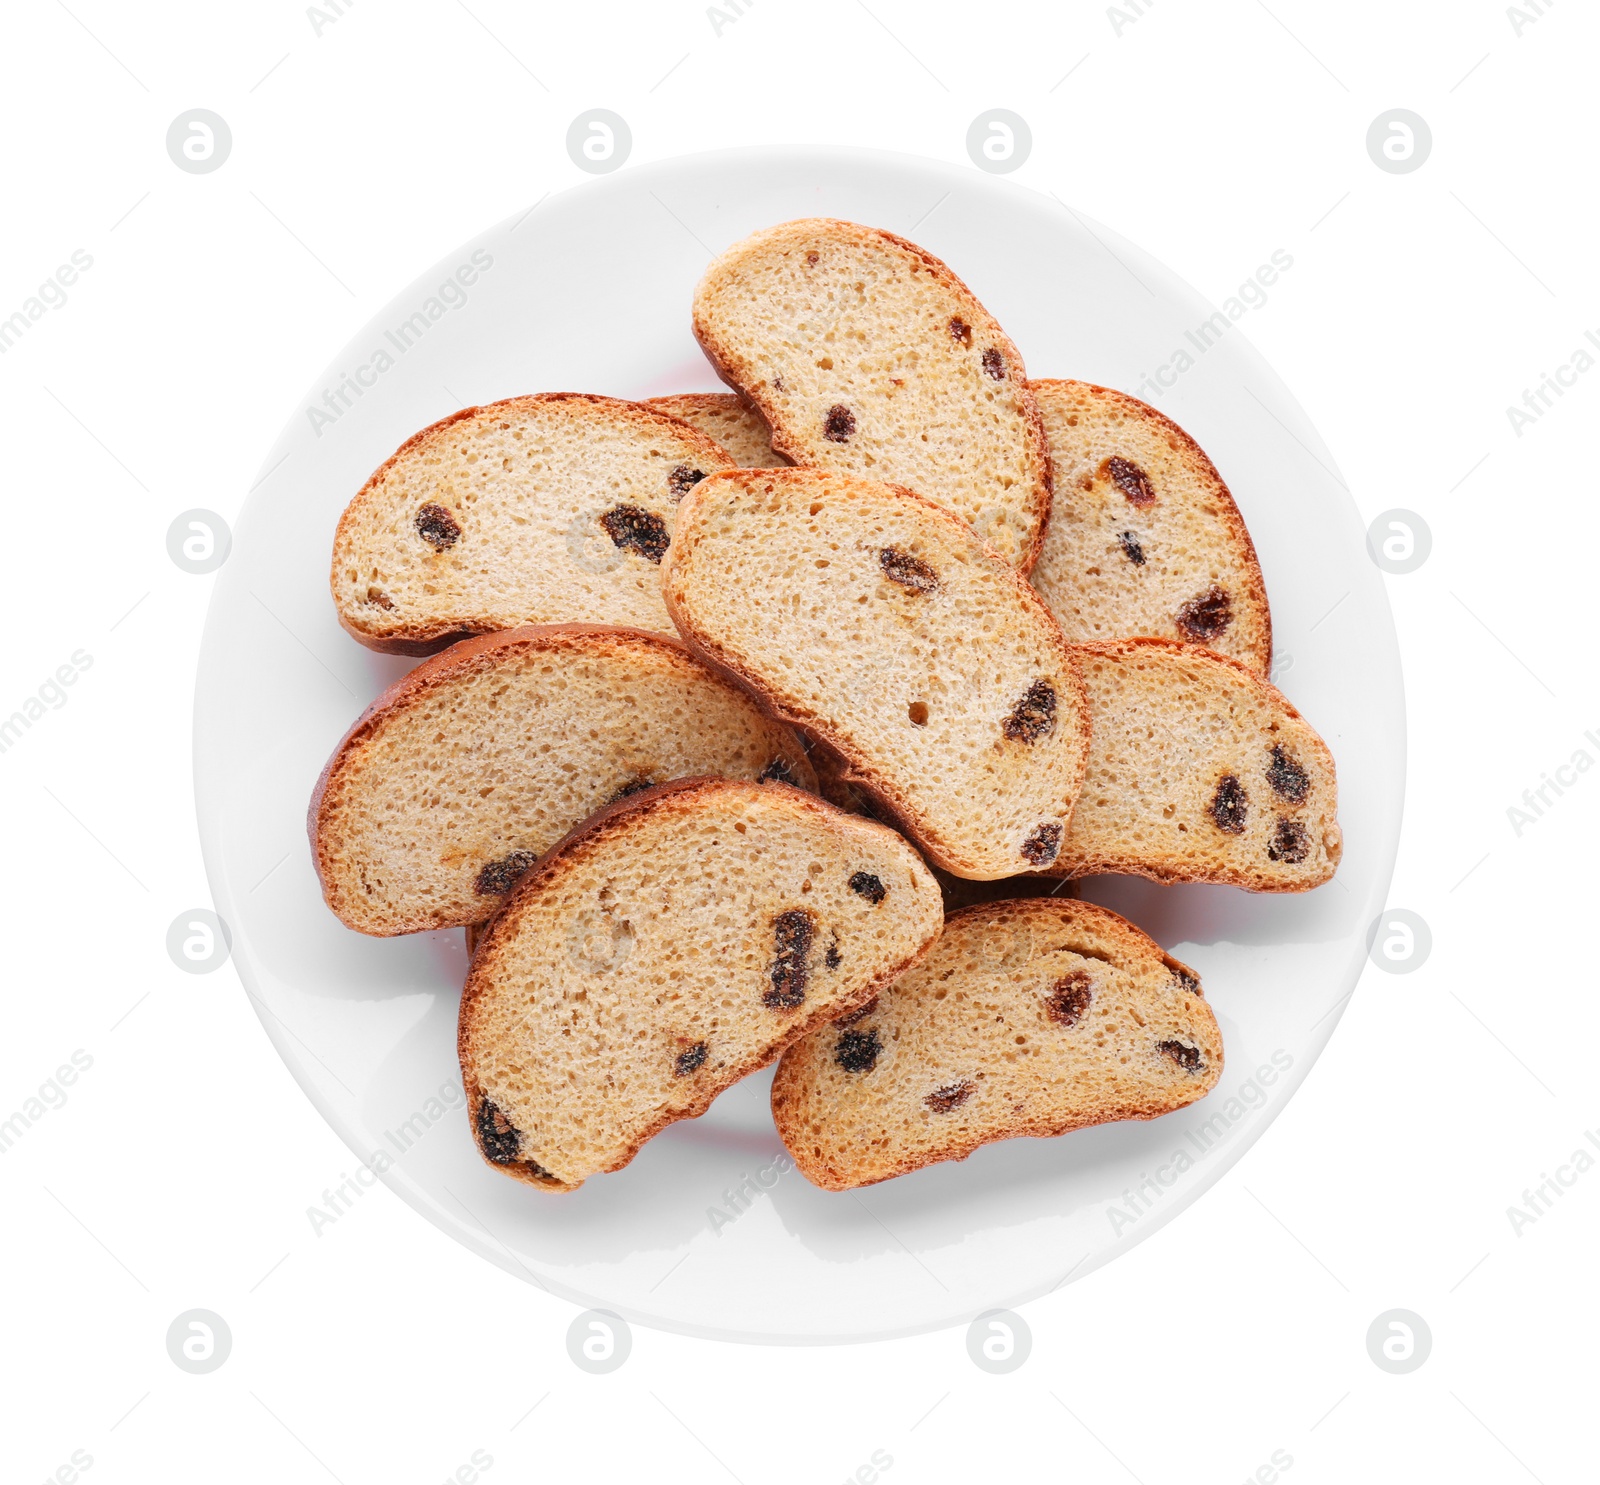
<point>774,724</point>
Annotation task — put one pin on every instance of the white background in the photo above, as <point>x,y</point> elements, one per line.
<point>178,1173</point>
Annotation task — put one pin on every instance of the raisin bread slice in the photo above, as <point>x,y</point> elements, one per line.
<point>1199,771</point>
<point>884,627</point>
<point>482,758</point>
<point>536,510</point>
<point>727,419</point>
<point>866,355</point>
<point>1144,538</point>
<point>1026,1018</point>
<point>672,944</point>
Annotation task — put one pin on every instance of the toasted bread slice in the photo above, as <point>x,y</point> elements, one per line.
<point>466,770</point>
<point>884,627</point>
<point>1144,537</point>
<point>672,944</point>
<point>1199,771</point>
<point>537,510</point>
<point>1026,1018</point>
<point>865,354</point>
<point>729,420</point>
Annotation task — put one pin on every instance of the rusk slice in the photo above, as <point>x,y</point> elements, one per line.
<point>1199,771</point>
<point>538,510</point>
<point>1026,1018</point>
<point>866,355</point>
<point>668,947</point>
<point>880,624</point>
<point>729,420</point>
<point>1144,538</point>
<point>482,758</point>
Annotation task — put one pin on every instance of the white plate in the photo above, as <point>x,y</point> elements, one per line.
<point>590,291</point>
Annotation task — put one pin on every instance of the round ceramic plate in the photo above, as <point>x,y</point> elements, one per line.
<point>707,1232</point>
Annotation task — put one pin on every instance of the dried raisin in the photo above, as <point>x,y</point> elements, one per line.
<point>1202,619</point>
<point>1130,479</point>
<point>910,572</point>
<point>436,526</point>
<point>636,785</point>
<point>960,331</point>
<point>1187,979</point>
<point>839,424</point>
<point>691,1059</point>
<point>776,772</point>
<point>498,1137</point>
<point>1230,805</point>
<point>1043,846</point>
<point>951,1096</point>
<point>1289,844</point>
<point>864,884</point>
<point>1131,548</point>
<point>1187,1057</point>
<point>995,364</point>
<point>833,958</point>
<point>1069,998</point>
<point>792,934</point>
<point>1288,779</point>
<point>637,530</point>
<point>501,876</point>
<point>857,1051</point>
<point>683,479</point>
<point>1034,716</point>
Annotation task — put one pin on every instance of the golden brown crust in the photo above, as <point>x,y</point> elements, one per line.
<point>430,638</point>
<point>569,852</point>
<point>721,363</point>
<point>1156,871</point>
<point>478,653</point>
<point>849,765</point>
<point>790,1093</point>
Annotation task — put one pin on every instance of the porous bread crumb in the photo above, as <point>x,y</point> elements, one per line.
<point>729,420</point>
<point>1144,536</point>
<point>1195,767</point>
<point>668,927</point>
<point>482,758</point>
<point>866,355</point>
<point>1031,1017</point>
<point>527,484</point>
<point>885,628</point>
